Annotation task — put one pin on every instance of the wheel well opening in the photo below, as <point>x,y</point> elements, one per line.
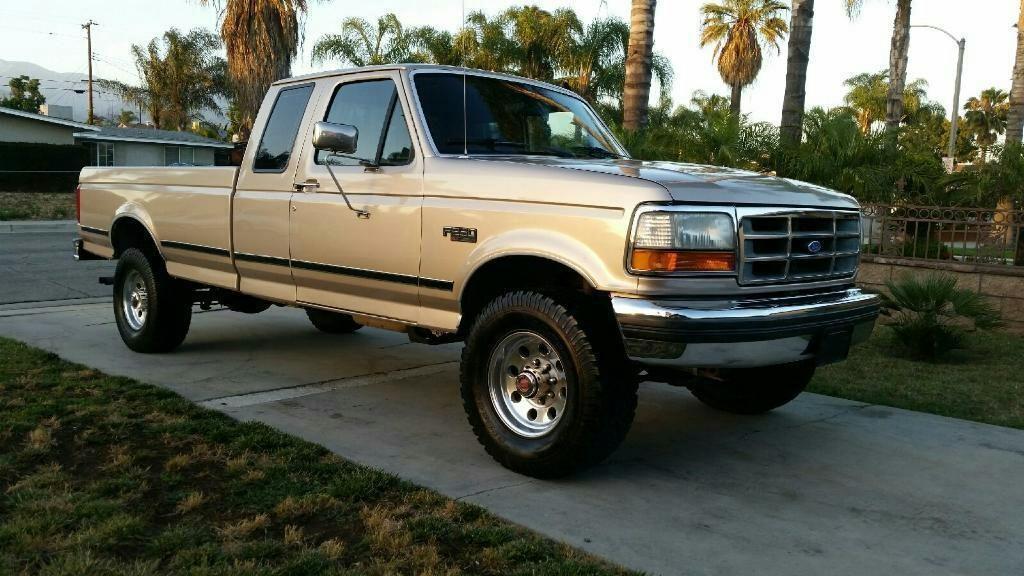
<point>130,233</point>
<point>518,273</point>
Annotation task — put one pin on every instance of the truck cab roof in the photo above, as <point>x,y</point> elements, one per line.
<point>417,67</point>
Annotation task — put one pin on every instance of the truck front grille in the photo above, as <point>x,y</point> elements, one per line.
<point>780,245</point>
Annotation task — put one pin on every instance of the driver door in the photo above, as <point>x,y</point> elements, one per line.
<point>339,259</point>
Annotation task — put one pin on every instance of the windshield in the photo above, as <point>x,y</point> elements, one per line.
<point>506,117</point>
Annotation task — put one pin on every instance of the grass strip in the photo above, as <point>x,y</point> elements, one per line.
<point>37,205</point>
<point>103,475</point>
<point>984,382</point>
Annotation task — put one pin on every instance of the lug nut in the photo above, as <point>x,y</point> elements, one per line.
<point>552,381</point>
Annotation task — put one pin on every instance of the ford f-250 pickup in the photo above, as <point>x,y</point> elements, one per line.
<point>462,205</point>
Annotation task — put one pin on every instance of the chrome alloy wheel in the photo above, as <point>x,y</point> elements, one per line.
<point>527,384</point>
<point>135,300</point>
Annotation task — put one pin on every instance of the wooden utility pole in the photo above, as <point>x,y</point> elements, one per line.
<point>88,39</point>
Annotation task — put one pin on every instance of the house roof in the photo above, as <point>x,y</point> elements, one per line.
<point>153,136</point>
<point>47,119</point>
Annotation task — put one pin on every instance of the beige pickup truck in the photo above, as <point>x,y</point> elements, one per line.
<point>461,205</point>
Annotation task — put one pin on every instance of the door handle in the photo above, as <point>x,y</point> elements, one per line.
<point>310,185</point>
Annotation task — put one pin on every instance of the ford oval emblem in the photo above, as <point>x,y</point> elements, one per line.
<point>814,246</point>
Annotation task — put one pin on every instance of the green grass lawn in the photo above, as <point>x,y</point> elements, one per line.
<point>37,205</point>
<point>984,382</point>
<point>985,252</point>
<point>102,475</point>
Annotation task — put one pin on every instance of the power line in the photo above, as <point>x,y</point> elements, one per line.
<point>47,79</point>
<point>43,32</point>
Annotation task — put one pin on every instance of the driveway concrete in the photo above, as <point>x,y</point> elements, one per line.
<point>822,486</point>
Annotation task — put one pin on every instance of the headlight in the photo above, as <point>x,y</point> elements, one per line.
<point>684,242</point>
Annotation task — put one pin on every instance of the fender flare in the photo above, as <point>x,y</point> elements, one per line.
<point>132,212</point>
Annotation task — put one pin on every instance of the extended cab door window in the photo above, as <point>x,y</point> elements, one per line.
<point>283,125</point>
<point>372,107</point>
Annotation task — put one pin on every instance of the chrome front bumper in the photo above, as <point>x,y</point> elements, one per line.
<point>746,332</point>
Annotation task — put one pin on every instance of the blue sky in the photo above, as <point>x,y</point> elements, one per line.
<point>48,33</point>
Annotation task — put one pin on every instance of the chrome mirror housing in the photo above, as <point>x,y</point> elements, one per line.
<point>338,138</point>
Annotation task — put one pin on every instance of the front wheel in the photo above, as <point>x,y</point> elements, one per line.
<point>153,311</point>
<point>754,390</point>
<point>543,391</point>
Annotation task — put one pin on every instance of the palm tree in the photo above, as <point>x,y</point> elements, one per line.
<point>595,66</point>
<point>800,25</point>
<point>437,46</point>
<point>542,40</point>
<point>898,54</point>
<point>868,94</point>
<point>484,44</point>
<point>738,29</point>
<point>363,44</point>
<point>986,118</point>
<point>1015,116</point>
<point>181,77</point>
<point>261,37</point>
<point>709,104</point>
<point>639,57</point>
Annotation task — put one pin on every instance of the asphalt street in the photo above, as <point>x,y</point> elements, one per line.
<point>822,486</point>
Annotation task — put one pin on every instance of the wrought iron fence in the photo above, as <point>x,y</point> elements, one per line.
<point>966,235</point>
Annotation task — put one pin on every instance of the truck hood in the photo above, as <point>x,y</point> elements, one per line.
<point>704,184</point>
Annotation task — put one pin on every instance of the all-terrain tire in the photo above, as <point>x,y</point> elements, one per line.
<point>162,305</point>
<point>754,390</point>
<point>332,322</point>
<point>601,391</point>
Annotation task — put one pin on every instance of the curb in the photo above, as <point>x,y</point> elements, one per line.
<point>37,226</point>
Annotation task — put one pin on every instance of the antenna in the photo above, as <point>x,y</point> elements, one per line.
<point>465,111</point>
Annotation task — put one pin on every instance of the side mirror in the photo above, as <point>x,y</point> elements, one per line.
<point>340,138</point>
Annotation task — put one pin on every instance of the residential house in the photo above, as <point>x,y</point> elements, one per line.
<point>26,127</point>
<point>149,147</point>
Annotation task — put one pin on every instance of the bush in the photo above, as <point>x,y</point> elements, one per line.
<point>933,315</point>
<point>29,167</point>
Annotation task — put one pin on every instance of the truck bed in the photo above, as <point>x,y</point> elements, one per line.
<point>178,205</point>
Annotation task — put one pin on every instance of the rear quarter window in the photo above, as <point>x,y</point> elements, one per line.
<point>278,137</point>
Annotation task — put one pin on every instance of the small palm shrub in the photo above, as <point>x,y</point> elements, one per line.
<point>932,315</point>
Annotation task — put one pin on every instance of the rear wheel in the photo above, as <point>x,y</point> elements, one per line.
<point>332,322</point>
<point>153,311</point>
<point>754,390</point>
<point>543,393</point>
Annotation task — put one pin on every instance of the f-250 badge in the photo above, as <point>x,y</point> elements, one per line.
<point>457,234</point>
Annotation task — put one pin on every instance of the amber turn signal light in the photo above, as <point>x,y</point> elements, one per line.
<point>645,260</point>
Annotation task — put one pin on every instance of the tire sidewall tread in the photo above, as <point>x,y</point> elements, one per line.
<point>602,398</point>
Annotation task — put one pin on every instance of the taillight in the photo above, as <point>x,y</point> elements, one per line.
<point>78,203</point>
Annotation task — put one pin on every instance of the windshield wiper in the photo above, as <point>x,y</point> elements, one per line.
<point>492,143</point>
<point>598,152</point>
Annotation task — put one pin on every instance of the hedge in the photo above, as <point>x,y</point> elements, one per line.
<point>30,167</point>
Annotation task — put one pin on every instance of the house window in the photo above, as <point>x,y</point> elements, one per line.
<point>179,156</point>
<point>104,154</point>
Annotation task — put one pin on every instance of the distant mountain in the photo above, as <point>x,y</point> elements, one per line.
<point>60,88</point>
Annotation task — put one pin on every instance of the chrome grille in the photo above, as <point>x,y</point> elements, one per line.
<point>786,245</point>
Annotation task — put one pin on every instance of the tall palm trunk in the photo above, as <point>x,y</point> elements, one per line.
<point>898,65</point>
<point>791,128</point>
<point>637,93</point>
<point>734,102</point>
<point>1015,117</point>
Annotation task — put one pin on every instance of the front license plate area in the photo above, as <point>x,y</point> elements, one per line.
<point>833,345</point>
